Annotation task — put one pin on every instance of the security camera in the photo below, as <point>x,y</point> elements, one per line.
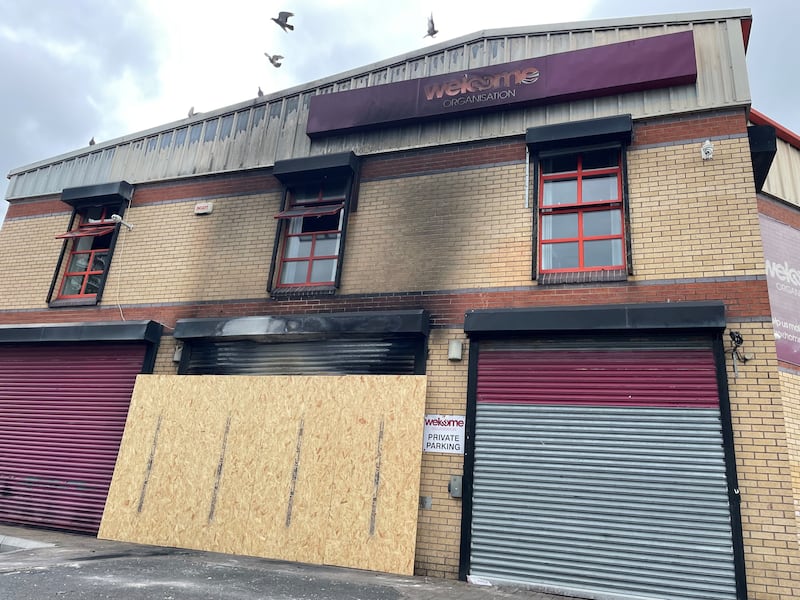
<point>707,150</point>
<point>118,219</point>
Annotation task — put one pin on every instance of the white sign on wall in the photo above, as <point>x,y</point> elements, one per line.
<point>444,433</point>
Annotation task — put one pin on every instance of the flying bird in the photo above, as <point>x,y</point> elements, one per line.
<point>92,142</point>
<point>275,59</point>
<point>260,93</point>
<point>432,31</point>
<point>282,19</point>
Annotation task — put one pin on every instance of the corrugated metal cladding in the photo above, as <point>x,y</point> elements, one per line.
<point>782,181</point>
<point>258,132</point>
<point>601,474</point>
<point>400,355</point>
<point>62,414</point>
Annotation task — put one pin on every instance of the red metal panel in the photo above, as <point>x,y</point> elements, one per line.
<point>655,378</point>
<point>85,232</point>
<point>310,211</point>
<point>62,415</point>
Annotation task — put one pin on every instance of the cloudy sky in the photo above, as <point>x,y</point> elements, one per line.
<point>74,70</point>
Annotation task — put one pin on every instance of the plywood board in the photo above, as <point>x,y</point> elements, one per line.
<point>322,470</point>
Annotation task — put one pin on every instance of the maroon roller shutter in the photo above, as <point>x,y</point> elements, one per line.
<point>62,415</point>
<point>655,378</point>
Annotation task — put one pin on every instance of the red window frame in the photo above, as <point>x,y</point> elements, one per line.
<point>581,208</point>
<point>104,217</point>
<point>87,228</point>
<point>309,207</point>
<point>86,274</point>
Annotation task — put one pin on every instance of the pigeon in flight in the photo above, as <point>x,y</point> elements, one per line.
<point>275,59</point>
<point>282,19</point>
<point>432,31</point>
<point>92,142</point>
<point>260,92</point>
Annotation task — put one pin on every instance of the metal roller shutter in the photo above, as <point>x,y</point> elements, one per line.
<point>601,474</point>
<point>62,414</point>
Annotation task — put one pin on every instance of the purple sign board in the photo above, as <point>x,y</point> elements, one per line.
<point>643,64</point>
<point>783,278</point>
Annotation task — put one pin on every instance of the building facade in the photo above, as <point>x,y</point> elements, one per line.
<point>581,239</point>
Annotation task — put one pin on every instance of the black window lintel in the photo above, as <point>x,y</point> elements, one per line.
<point>293,170</point>
<point>612,317</point>
<point>101,331</point>
<point>618,128</point>
<point>102,194</point>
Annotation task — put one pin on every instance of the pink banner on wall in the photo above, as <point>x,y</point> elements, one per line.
<point>782,262</point>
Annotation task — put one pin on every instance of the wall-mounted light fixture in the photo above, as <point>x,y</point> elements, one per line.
<point>454,349</point>
<point>176,356</point>
<point>707,150</point>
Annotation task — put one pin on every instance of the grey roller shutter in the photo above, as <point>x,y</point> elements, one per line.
<point>601,474</point>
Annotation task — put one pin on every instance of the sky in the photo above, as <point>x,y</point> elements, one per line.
<point>103,69</point>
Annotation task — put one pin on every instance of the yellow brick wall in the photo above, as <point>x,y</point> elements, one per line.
<point>790,390</point>
<point>450,230</point>
<point>439,527</point>
<point>770,529</point>
<point>453,230</point>
<point>414,233</point>
<point>171,255</point>
<point>165,365</point>
<point>694,218</point>
<point>28,255</point>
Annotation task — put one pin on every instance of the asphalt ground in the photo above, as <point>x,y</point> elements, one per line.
<point>43,565</point>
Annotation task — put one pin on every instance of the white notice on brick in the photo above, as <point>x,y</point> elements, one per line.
<point>444,433</point>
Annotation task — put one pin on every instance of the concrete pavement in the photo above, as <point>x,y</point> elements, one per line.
<point>39,564</point>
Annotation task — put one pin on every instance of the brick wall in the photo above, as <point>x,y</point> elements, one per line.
<point>461,229</point>
<point>28,256</point>
<point>790,391</point>
<point>447,230</point>
<point>165,365</point>
<point>173,255</point>
<point>694,218</point>
<point>439,527</point>
<point>770,529</point>
<point>458,228</point>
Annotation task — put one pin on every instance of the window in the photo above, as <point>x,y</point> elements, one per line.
<point>89,253</point>
<point>311,244</point>
<point>581,223</point>
<point>580,211</point>
<point>319,194</point>
<point>82,267</point>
